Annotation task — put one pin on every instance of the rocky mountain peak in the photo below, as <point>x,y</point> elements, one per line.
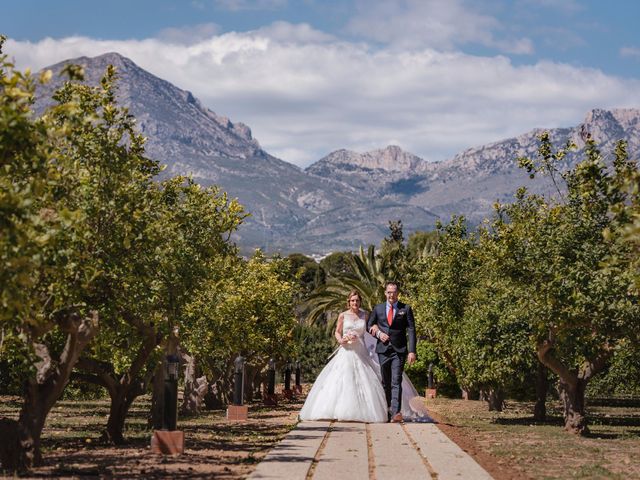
<point>604,125</point>
<point>627,117</point>
<point>164,111</point>
<point>391,159</point>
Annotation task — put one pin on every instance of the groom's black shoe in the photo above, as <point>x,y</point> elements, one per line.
<point>397,418</point>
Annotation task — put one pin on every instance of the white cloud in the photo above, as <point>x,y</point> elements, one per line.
<point>305,94</point>
<point>238,5</point>
<point>439,24</point>
<point>630,52</point>
<point>297,33</point>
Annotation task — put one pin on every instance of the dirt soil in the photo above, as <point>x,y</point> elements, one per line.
<point>214,447</point>
<point>495,466</point>
<point>510,444</point>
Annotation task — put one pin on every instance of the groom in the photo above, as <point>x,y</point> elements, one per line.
<point>390,322</point>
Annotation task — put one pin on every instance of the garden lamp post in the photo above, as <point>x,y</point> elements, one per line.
<point>170,401</point>
<point>271,386</point>
<point>238,411</point>
<point>238,380</point>
<point>168,440</point>
<point>287,376</point>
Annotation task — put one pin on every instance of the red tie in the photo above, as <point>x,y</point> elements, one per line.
<point>390,315</point>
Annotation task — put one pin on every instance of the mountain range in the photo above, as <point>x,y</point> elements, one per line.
<point>346,198</point>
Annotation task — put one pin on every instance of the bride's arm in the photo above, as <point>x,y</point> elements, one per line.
<point>338,333</point>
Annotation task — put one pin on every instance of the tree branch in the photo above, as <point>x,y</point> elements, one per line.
<point>591,367</point>
<point>546,357</point>
<point>102,370</point>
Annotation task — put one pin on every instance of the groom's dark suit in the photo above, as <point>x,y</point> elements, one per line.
<point>393,354</point>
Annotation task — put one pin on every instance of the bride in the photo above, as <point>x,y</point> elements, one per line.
<point>349,388</point>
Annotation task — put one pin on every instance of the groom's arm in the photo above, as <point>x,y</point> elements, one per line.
<point>411,332</point>
<point>374,328</point>
<point>372,321</point>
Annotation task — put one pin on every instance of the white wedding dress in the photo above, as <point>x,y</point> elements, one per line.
<point>349,388</point>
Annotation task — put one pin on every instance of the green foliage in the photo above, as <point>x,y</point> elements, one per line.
<point>80,390</point>
<point>421,244</point>
<point>442,288</point>
<point>336,264</point>
<point>314,345</point>
<point>392,253</point>
<point>247,310</point>
<point>306,271</point>
<point>621,376</point>
<point>445,382</point>
<point>44,242</point>
<point>548,279</point>
<point>365,275</point>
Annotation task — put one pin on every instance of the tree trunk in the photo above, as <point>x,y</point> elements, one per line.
<point>15,454</point>
<point>495,400</point>
<point>255,385</point>
<point>195,388</point>
<point>21,445</point>
<point>214,398</point>
<point>572,384</point>
<point>130,387</point>
<point>542,387</point>
<point>470,394</point>
<point>123,389</point>
<point>483,395</point>
<point>252,383</point>
<point>157,394</point>
<point>573,403</point>
<point>121,401</point>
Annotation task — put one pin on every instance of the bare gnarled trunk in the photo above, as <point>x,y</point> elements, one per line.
<point>252,383</point>
<point>195,388</point>
<point>469,393</point>
<point>495,399</point>
<point>125,388</point>
<point>573,403</point>
<point>21,446</point>
<point>573,384</point>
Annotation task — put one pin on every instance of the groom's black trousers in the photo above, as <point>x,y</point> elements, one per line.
<point>391,368</point>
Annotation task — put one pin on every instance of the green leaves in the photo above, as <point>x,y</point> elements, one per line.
<point>541,272</point>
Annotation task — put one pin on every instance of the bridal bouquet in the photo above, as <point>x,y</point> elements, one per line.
<point>350,336</point>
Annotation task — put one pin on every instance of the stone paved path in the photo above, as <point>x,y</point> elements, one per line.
<point>355,451</point>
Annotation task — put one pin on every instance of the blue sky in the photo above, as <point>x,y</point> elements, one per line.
<point>311,76</point>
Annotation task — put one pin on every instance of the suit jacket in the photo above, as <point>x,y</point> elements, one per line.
<point>403,326</point>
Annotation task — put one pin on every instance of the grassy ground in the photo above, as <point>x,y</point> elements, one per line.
<point>214,447</point>
<point>511,445</point>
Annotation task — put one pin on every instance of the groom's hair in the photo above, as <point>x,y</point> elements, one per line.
<point>392,282</point>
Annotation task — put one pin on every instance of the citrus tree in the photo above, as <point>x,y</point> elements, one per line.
<point>45,266</point>
<point>247,311</point>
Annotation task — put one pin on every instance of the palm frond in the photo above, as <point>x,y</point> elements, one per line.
<point>366,277</point>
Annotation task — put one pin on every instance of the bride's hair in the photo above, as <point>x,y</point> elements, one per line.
<point>352,293</point>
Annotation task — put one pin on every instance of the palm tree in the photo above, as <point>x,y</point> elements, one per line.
<point>366,276</point>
